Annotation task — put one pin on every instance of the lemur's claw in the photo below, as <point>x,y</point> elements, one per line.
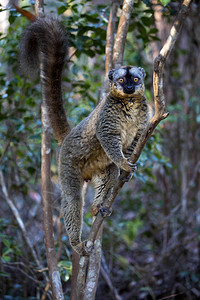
<point>128,177</point>
<point>105,212</point>
<point>133,167</point>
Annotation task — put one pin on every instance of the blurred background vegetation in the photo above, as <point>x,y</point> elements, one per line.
<point>151,243</point>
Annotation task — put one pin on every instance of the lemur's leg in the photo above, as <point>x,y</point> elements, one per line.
<point>103,182</point>
<point>72,182</point>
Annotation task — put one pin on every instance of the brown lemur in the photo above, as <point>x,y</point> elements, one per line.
<point>99,146</point>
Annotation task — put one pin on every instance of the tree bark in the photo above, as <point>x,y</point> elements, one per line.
<point>47,208</point>
<point>120,39</point>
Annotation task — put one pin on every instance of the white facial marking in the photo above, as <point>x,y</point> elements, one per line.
<point>135,72</point>
<point>120,73</point>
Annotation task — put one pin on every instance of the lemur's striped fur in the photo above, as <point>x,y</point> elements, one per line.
<point>98,147</point>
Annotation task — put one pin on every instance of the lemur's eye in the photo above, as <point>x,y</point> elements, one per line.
<point>121,80</point>
<point>135,79</point>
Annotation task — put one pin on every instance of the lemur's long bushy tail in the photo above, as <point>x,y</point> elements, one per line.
<point>44,47</point>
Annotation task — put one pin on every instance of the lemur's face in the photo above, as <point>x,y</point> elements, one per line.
<point>127,81</point>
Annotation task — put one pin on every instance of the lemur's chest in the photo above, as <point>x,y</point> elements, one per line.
<point>128,132</point>
<point>133,118</point>
<point>129,127</point>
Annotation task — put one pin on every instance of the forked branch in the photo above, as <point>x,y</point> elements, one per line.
<point>120,39</point>
<point>110,37</point>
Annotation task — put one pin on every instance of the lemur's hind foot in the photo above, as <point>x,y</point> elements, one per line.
<point>83,250</point>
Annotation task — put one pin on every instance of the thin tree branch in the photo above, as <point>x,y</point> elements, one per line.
<point>110,284</point>
<point>75,272</point>
<point>60,242</point>
<point>78,273</point>
<point>110,37</point>
<point>73,53</point>
<point>81,279</point>
<point>47,208</point>
<point>16,267</point>
<point>109,48</point>
<point>94,267</point>
<point>24,12</point>
<point>174,32</point>
<point>6,149</point>
<point>39,8</point>
<point>48,286</point>
<point>193,179</point>
<point>120,39</point>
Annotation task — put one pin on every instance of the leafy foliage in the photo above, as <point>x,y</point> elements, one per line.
<point>11,249</point>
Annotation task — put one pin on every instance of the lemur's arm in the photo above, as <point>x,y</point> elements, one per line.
<point>109,136</point>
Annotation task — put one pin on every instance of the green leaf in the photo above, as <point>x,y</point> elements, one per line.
<point>6,258</point>
<point>35,136</point>
<point>4,274</point>
<point>62,9</point>
<point>31,170</point>
<point>165,2</point>
<point>6,243</point>
<point>146,21</point>
<point>11,19</point>
<point>65,264</point>
<point>123,261</point>
<point>153,30</point>
<point>142,30</point>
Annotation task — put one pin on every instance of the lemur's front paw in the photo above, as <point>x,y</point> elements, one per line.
<point>105,212</point>
<point>126,178</point>
<point>128,166</point>
<point>133,167</point>
<point>83,249</point>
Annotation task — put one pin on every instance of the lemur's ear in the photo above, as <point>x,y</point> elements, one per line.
<point>110,74</point>
<point>143,71</point>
